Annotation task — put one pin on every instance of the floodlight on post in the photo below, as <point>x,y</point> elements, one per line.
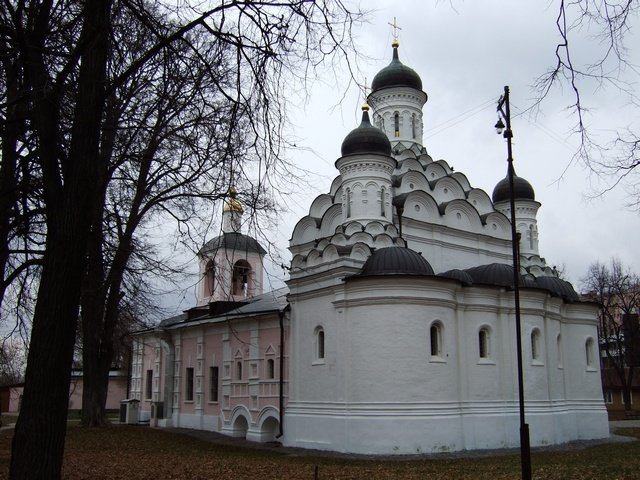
<point>504,113</point>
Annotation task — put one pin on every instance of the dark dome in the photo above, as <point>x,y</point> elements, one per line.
<point>396,74</point>
<point>234,241</point>
<point>522,190</point>
<point>366,139</point>
<point>499,274</point>
<point>558,288</point>
<point>460,275</point>
<point>396,261</point>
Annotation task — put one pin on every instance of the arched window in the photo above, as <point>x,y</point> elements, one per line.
<point>484,345</point>
<point>210,278</point>
<point>589,352</point>
<point>239,370</point>
<point>535,344</point>
<point>435,339</point>
<point>559,349</point>
<point>382,195</point>
<point>348,205</point>
<point>319,344</point>
<point>396,123</point>
<point>241,277</point>
<point>271,371</point>
<point>413,125</point>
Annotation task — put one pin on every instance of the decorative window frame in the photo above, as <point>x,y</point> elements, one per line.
<point>319,346</point>
<point>436,327</point>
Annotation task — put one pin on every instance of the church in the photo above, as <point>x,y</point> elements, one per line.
<point>396,331</point>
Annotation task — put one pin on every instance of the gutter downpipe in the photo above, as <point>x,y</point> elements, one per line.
<point>281,389</point>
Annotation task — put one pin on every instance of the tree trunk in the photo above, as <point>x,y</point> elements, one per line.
<point>70,184</point>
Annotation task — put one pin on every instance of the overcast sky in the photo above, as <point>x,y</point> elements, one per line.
<point>466,52</point>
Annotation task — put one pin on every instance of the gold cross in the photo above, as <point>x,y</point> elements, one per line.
<point>395,29</point>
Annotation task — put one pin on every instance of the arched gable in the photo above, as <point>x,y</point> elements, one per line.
<point>434,171</point>
<point>420,205</point>
<point>413,180</point>
<point>480,200</point>
<point>330,253</point>
<point>410,164</point>
<point>335,185</point>
<point>352,227</point>
<point>361,237</point>
<point>445,166</point>
<point>447,189</point>
<point>497,225</point>
<point>240,411</point>
<point>382,241</point>
<point>306,230</point>
<point>462,180</point>
<point>462,215</point>
<point>360,251</point>
<point>374,228</point>
<point>320,205</point>
<point>330,220</point>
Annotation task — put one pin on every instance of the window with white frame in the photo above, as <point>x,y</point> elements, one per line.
<point>535,344</point>
<point>318,347</point>
<point>484,343</point>
<point>239,370</point>
<point>271,368</point>
<point>435,339</point>
<point>188,385</point>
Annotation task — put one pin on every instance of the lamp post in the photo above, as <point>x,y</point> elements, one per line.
<point>505,113</point>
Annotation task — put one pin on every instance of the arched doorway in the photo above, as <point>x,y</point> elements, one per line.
<point>269,429</point>
<point>240,427</point>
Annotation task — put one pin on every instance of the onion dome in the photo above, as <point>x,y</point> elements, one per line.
<point>499,274</point>
<point>522,190</point>
<point>231,204</point>
<point>396,74</point>
<point>459,275</point>
<point>396,261</point>
<point>366,138</point>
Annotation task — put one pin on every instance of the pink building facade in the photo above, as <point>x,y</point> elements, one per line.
<point>221,365</point>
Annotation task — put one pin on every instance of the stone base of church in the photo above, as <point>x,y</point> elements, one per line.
<point>416,429</point>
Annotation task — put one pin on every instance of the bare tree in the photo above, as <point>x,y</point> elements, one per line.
<point>618,292</point>
<point>605,28</point>
<point>60,52</point>
<point>12,358</point>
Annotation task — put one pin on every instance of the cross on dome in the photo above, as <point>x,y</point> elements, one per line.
<point>395,26</point>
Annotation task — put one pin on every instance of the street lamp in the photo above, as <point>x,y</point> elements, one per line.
<point>504,113</point>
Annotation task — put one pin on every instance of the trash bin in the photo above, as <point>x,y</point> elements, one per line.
<point>129,411</point>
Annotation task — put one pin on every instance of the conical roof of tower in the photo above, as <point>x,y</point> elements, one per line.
<point>233,241</point>
<point>522,189</point>
<point>366,139</point>
<point>396,74</point>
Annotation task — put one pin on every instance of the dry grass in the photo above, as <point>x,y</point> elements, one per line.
<point>124,452</point>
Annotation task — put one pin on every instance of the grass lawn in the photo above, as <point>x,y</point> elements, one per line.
<point>129,452</point>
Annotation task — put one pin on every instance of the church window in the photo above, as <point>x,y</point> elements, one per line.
<point>319,344</point>
<point>535,344</point>
<point>589,347</point>
<point>382,196</point>
<point>240,280</point>
<point>239,370</point>
<point>213,384</point>
<point>271,371</point>
<point>559,349</point>
<point>348,203</point>
<point>396,123</point>
<point>189,385</point>
<point>413,126</point>
<point>148,385</point>
<point>210,277</point>
<point>435,338</point>
<point>483,342</point>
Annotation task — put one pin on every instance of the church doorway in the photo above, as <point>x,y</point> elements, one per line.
<point>240,427</point>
